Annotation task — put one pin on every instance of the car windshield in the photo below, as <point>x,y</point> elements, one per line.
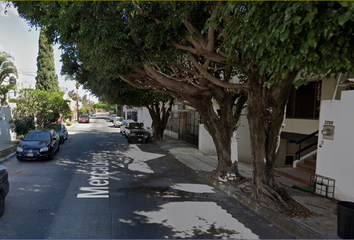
<point>113,115</point>
<point>136,126</point>
<point>38,136</point>
<point>84,116</point>
<point>120,119</point>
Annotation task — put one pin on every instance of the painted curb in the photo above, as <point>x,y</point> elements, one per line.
<point>7,157</point>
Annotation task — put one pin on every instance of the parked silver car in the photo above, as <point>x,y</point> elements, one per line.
<point>117,122</point>
<point>112,117</point>
<point>124,124</point>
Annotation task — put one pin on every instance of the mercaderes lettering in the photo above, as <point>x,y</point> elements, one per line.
<point>98,181</point>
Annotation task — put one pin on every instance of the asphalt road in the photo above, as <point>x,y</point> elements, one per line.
<point>100,187</point>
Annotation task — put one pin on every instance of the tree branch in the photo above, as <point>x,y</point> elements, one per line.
<point>213,79</point>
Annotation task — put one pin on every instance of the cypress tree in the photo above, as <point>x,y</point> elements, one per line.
<point>46,79</point>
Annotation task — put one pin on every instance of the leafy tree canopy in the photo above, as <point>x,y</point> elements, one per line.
<point>7,70</point>
<point>47,107</point>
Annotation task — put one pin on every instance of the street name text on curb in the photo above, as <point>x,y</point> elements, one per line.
<point>98,180</point>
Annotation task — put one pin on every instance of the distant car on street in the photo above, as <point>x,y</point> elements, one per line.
<point>117,122</point>
<point>124,124</point>
<point>61,130</point>
<point>38,145</point>
<point>136,132</point>
<point>112,117</point>
<point>4,187</point>
<point>93,114</point>
<point>84,118</point>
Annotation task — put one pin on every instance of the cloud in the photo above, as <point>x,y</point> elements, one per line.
<point>10,11</point>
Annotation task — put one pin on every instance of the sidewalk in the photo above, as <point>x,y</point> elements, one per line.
<point>321,224</point>
<point>7,145</point>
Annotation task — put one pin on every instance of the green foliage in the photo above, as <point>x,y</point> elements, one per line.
<point>7,66</point>
<point>105,106</point>
<point>47,107</point>
<point>85,110</point>
<point>277,38</point>
<point>7,70</point>
<point>69,123</point>
<point>21,125</point>
<point>47,79</point>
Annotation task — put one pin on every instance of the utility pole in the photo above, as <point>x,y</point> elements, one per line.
<point>77,99</point>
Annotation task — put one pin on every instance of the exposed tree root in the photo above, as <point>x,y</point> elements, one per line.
<point>279,200</point>
<point>276,198</point>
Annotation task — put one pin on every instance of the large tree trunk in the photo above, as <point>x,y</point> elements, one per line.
<point>159,114</point>
<point>221,126</point>
<point>265,122</point>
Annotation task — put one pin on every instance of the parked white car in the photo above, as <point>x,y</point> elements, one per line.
<point>117,122</point>
<point>112,117</point>
<point>124,124</point>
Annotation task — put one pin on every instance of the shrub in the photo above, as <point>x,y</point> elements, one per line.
<point>68,123</point>
<point>22,125</point>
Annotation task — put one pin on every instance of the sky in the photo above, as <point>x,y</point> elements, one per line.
<point>21,41</point>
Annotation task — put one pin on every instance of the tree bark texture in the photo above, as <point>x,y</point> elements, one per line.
<point>265,122</point>
<point>159,114</point>
<point>221,125</point>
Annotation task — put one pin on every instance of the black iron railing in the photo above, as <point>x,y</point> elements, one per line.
<point>309,145</point>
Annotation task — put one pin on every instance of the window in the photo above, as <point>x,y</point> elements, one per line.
<point>305,101</point>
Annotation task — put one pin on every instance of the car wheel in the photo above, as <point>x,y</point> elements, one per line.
<point>2,204</point>
<point>51,156</point>
<point>61,140</point>
<point>58,147</point>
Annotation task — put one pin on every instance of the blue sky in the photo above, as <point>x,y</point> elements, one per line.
<point>21,41</point>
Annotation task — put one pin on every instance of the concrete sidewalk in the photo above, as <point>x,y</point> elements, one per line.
<point>321,224</point>
<point>7,145</point>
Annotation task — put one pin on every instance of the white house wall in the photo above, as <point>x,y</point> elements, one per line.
<point>301,126</point>
<point>5,129</point>
<point>244,141</point>
<point>144,116</point>
<point>205,141</point>
<point>206,144</point>
<point>335,157</point>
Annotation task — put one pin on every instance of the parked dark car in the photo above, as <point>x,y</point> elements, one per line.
<point>84,118</point>
<point>136,131</point>
<point>38,145</point>
<point>61,130</point>
<point>4,188</point>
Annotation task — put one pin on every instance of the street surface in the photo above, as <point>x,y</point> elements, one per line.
<point>100,187</point>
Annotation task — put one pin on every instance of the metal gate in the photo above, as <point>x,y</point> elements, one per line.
<point>189,127</point>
